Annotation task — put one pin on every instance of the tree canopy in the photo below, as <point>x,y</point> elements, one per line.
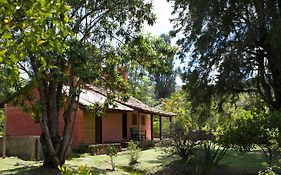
<point>56,48</point>
<point>235,47</point>
<point>154,79</point>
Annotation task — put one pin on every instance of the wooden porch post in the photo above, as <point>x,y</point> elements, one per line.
<point>151,126</point>
<point>4,132</point>
<point>139,125</point>
<point>160,127</point>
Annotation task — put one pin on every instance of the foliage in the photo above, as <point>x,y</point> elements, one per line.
<point>234,48</point>
<point>82,170</point>
<point>180,106</point>
<point>111,151</point>
<point>268,171</point>
<point>157,79</point>
<point>253,129</point>
<point>141,86</point>
<point>145,144</point>
<point>179,141</point>
<point>56,48</point>
<point>207,157</point>
<point>134,153</point>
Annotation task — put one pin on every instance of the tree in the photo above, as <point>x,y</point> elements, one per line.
<point>159,74</point>
<point>253,129</point>
<point>55,48</point>
<point>235,47</point>
<point>165,81</point>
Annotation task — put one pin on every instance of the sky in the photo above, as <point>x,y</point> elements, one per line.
<point>162,25</point>
<point>163,11</point>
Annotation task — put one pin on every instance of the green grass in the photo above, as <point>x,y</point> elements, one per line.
<point>152,161</point>
<point>248,162</point>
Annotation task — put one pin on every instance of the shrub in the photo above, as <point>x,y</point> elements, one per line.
<point>252,130</point>
<point>134,153</point>
<point>207,157</point>
<point>111,151</point>
<point>143,144</point>
<point>82,170</point>
<point>179,141</point>
<point>268,171</point>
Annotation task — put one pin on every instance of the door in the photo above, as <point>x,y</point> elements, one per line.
<point>98,130</point>
<point>124,126</point>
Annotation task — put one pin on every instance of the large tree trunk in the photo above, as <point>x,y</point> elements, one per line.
<point>54,147</point>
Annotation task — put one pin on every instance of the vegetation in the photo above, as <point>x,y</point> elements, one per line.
<point>41,42</point>
<point>82,170</point>
<point>134,153</point>
<point>179,141</point>
<point>234,46</point>
<point>111,152</point>
<point>152,161</point>
<point>253,130</point>
<point>207,157</point>
<point>150,83</point>
<point>51,49</point>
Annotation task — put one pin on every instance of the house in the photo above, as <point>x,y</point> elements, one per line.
<point>120,123</point>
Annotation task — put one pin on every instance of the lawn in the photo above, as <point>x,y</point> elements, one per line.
<point>152,161</point>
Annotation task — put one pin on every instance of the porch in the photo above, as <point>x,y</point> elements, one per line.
<point>119,127</point>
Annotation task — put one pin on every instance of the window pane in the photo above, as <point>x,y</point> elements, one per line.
<point>134,119</point>
<point>143,120</point>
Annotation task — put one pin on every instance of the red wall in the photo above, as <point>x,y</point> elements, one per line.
<point>20,123</point>
<point>145,127</point>
<point>112,128</point>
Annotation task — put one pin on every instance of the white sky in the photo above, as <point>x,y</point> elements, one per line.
<point>163,11</point>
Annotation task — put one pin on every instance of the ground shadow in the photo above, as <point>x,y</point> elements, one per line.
<point>35,170</point>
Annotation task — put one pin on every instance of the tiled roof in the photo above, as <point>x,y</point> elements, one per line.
<point>89,97</point>
<point>131,103</point>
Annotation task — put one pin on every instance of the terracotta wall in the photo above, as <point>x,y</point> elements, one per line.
<point>112,127</point>
<point>20,123</point>
<point>89,128</point>
<point>145,127</point>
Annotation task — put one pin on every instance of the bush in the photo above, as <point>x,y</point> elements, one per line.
<point>143,144</point>
<point>179,142</point>
<point>207,157</point>
<point>268,171</point>
<point>111,151</point>
<point>82,170</point>
<point>134,153</point>
<point>252,130</point>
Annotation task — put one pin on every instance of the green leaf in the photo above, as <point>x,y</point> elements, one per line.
<point>65,18</point>
<point>2,52</point>
<point>4,2</point>
<point>40,42</point>
<point>6,36</point>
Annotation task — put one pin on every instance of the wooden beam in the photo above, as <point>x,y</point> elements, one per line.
<point>160,127</point>
<point>139,125</point>
<point>151,126</point>
<point>4,132</point>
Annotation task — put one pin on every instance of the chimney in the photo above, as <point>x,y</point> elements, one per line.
<point>123,71</point>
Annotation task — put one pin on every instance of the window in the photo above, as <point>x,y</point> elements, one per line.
<point>134,119</point>
<point>143,120</point>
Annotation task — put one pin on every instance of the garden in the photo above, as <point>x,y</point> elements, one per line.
<point>216,70</point>
<point>151,161</point>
